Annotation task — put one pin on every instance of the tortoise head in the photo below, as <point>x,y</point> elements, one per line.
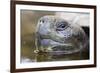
<point>55,34</point>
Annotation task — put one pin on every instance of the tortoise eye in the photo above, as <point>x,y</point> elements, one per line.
<point>61,26</point>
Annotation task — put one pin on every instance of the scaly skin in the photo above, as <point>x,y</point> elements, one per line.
<point>55,34</point>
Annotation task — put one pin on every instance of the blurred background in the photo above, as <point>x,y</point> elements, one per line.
<point>29,19</point>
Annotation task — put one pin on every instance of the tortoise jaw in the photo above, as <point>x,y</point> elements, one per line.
<point>63,47</point>
<point>51,46</point>
<point>61,50</point>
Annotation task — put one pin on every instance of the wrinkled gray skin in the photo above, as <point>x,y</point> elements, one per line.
<point>59,36</point>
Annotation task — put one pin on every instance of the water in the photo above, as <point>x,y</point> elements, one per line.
<point>28,55</point>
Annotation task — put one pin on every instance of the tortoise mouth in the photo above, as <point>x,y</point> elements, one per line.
<point>64,49</point>
<point>51,46</point>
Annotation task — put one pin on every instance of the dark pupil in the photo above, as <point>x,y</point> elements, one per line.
<point>61,26</point>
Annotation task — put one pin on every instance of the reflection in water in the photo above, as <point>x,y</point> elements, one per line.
<point>28,55</point>
<point>51,56</point>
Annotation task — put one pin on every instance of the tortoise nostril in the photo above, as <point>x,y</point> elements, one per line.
<point>42,21</point>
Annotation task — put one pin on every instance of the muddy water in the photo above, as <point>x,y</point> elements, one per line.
<point>28,55</point>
